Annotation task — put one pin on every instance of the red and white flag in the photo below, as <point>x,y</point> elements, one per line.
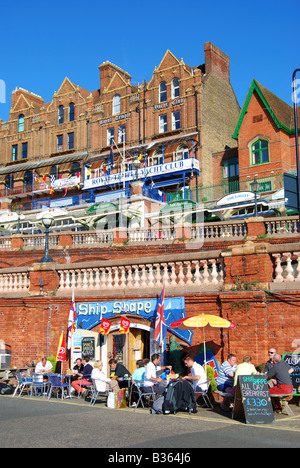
<point>160,329</point>
<point>124,326</point>
<point>105,326</point>
<point>71,321</point>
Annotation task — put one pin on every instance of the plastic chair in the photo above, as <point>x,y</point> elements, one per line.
<point>22,384</point>
<point>55,382</point>
<point>142,392</point>
<point>96,392</point>
<point>204,393</point>
<point>39,385</point>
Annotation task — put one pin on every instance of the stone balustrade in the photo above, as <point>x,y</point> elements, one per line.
<point>14,282</point>
<point>287,267</point>
<point>144,274</point>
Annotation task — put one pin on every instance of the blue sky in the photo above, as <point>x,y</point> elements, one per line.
<point>41,42</point>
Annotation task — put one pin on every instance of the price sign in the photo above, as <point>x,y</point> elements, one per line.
<point>252,400</point>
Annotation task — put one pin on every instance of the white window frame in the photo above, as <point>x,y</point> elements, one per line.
<point>110,136</point>
<point>175,88</point>
<point>163,123</point>
<point>116,105</point>
<point>162,92</point>
<point>176,120</point>
<point>121,133</point>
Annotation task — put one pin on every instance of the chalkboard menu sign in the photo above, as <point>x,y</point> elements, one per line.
<point>88,347</point>
<point>252,400</point>
<point>293,360</point>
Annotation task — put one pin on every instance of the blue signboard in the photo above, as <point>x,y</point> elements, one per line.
<point>90,314</point>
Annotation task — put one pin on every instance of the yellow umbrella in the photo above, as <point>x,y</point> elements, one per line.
<point>201,321</point>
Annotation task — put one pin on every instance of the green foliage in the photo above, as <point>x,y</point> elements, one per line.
<point>210,372</point>
<point>175,357</point>
<point>52,359</point>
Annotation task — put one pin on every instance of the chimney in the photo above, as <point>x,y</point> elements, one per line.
<point>216,61</point>
<point>107,71</point>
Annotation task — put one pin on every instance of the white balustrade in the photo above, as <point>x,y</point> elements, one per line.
<point>14,282</point>
<point>282,227</point>
<point>181,274</point>
<point>287,267</point>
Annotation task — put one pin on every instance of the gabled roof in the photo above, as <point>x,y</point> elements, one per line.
<point>281,113</point>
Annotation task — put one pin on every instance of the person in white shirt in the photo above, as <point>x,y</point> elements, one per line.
<point>198,376</point>
<point>43,367</point>
<point>101,381</point>
<point>151,379</point>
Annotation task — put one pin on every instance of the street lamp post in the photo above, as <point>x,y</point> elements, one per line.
<point>19,211</point>
<point>254,187</point>
<point>47,222</point>
<point>296,140</point>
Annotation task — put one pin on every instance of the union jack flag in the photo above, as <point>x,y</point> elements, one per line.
<point>71,321</point>
<point>160,330</point>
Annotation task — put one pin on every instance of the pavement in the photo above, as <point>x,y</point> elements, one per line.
<point>40,423</point>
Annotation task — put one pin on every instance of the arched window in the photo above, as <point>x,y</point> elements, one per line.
<point>260,152</point>
<point>60,115</point>
<point>157,158</point>
<point>162,92</point>
<point>75,168</point>
<point>116,104</point>
<point>9,183</point>
<point>21,122</point>
<point>182,152</point>
<point>28,179</point>
<point>71,112</point>
<point>54,173</point>
<point>175,88</point>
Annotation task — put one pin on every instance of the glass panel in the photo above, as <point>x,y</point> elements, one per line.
<point>265,156</point>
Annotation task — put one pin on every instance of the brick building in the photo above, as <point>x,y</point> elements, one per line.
<point>183,113</point>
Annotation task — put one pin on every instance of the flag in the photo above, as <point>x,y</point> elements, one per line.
<point>52,180</point>
<point>105,327</point>
<point>51,191</point>
<point>61,350</point>
<point>71,321</point>
<point>160,330</point>
<point>124,326</point>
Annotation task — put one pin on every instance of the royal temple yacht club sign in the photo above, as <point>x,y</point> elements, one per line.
<point>142,173</point>
<point>90,314</point>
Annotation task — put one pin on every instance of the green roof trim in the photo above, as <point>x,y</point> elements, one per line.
<point>255,87</point>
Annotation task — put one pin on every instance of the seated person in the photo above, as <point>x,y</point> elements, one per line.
<point>102,383</point>
<point>120,372</point>
<point>198,376</point>
<point>151,380</point>
<point>137,376</point>
<point>225,379</point>
<point>77,369</point>
<point>246,368</point>
<point>270,362</point>
<point>85,379</point>
<point>280,374</point>
<point>44,367</point>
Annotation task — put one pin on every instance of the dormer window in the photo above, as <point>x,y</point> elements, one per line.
<point>116,104</point>
<point>162,92</point>
<point>21,123</point>
<point>60,115</point>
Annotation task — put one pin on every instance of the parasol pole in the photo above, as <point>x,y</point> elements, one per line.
<point>204,352</point>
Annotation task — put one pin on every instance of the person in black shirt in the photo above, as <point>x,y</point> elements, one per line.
<point>85,380</point>
<point>77,369</point>
<point>120,372</point>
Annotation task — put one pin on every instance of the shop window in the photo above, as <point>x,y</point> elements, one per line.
<point>21,123</point>
<point>175,120</point>
<point>163,123</point>
<point>175,88</point>
<point>60,115</point>
<point>260,152</point>
<point>116,104</point>
<point>162,92</point>
<point>71,112</point>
